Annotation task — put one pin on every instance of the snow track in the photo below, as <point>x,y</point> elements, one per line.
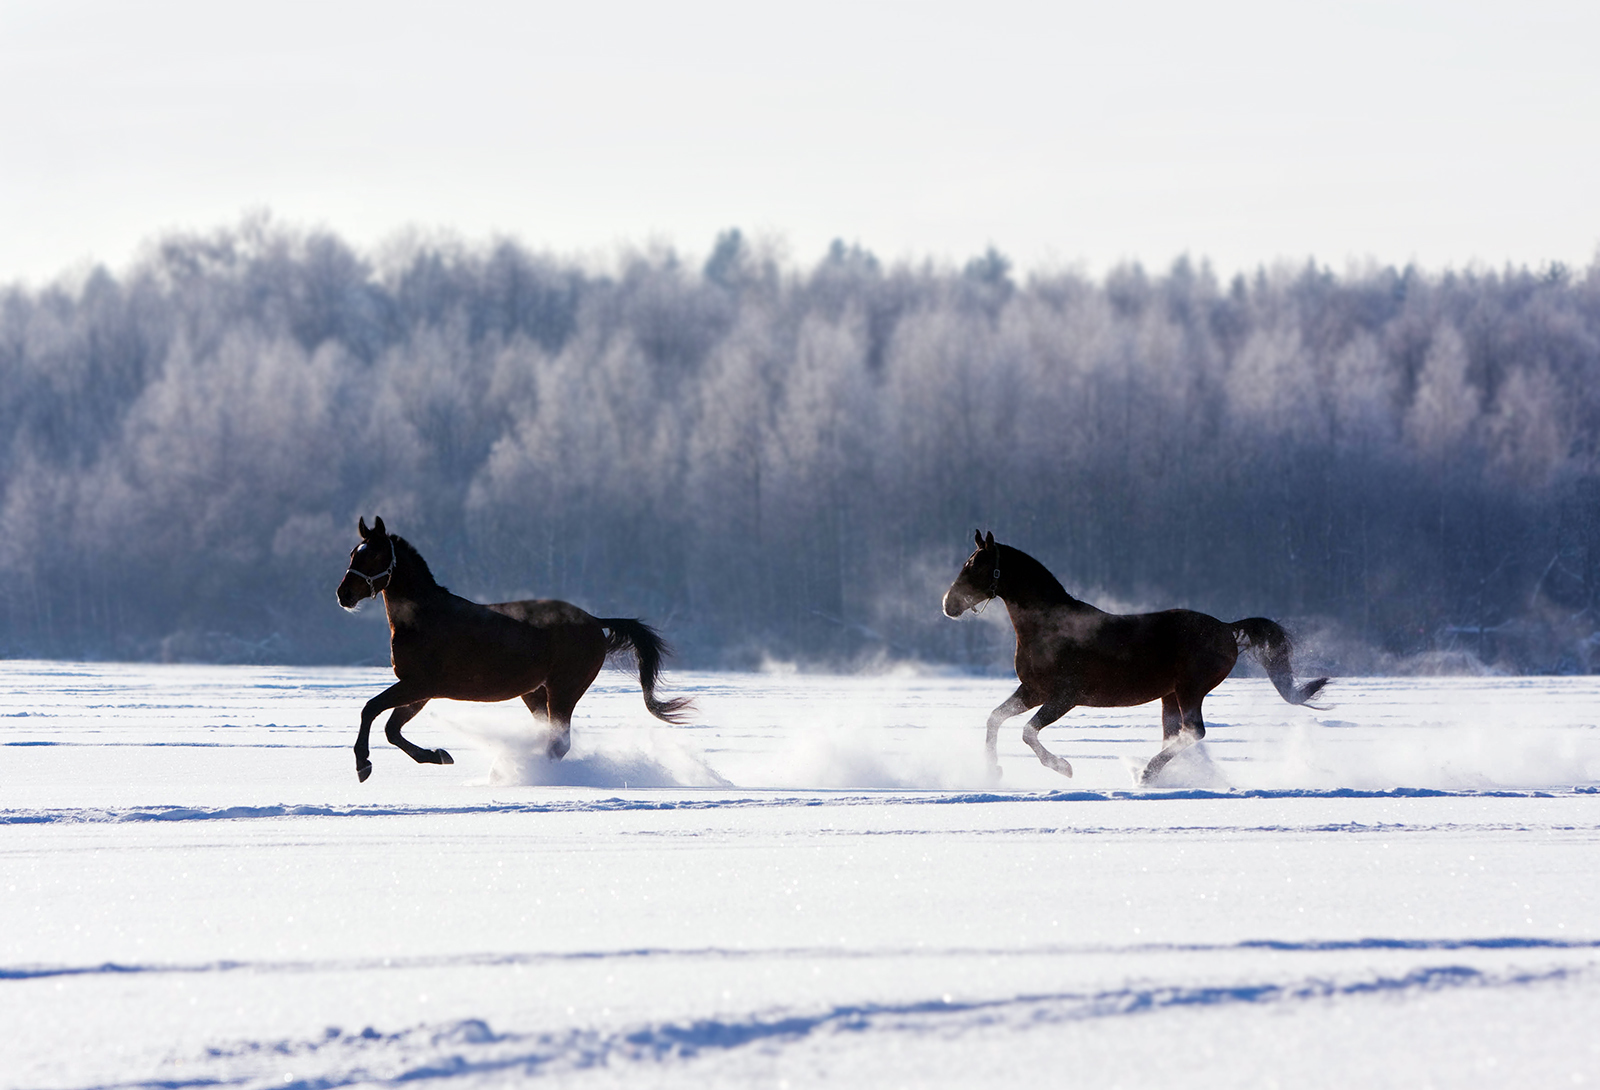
<point>1399,891</point>
<point>810,802</point>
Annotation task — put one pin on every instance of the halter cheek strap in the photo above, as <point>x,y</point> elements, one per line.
<point>372,580</point>
<point>994,585</point>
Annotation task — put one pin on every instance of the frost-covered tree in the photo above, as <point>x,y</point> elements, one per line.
<point>776,461</point>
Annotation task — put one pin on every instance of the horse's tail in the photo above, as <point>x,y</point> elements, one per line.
<point>623,633</point>
<point>1271,645</point>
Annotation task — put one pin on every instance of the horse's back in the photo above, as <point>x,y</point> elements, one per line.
<point>545,613</point>
<point>573,638</point>
<point>1198,629</point>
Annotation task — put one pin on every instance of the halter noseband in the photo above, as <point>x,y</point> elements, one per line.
<point>372,580</point>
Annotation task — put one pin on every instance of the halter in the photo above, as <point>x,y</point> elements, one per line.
<point>372,580</point>
<point>994,584</point>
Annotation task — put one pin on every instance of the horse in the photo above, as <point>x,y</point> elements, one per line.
<point>1070,653</point>
<point>443,646</point>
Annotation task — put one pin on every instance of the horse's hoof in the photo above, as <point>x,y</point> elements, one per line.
<point>996,774</point>
<point>1063,767</point>
<point>363,770</point>
<point>444,757</point>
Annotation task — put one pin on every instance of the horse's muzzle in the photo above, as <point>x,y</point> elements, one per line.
<point>350,593</point>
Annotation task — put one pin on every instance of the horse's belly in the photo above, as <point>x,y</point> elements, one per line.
<point>489,677</point>
<point>1100,683</point>
<point>467,670</point>
<point>493,689</point>
<point>1123,697</point>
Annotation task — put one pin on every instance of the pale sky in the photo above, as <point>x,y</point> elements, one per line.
<point>1066,134</point>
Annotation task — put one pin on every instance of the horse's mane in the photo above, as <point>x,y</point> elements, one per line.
<point>417,566</point>
<point>1021,567</point>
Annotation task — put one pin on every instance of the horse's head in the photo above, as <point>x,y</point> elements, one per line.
<point>371,565</point>
<point>979,579</point>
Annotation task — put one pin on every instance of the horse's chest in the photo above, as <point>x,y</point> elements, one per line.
<point>405,654</point>
<point>1047,649</point>
<point>414,650</point>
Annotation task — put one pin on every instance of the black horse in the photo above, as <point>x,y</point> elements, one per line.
<point>441,645</point>
<point>1070,653</point>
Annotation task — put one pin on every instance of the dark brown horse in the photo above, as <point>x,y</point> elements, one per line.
<point>442,645</point>
<point>1070,653</point>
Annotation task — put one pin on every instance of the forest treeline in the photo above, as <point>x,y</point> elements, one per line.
<point>771,461</point>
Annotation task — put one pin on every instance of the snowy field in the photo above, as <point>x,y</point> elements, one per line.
<point>813,883</point>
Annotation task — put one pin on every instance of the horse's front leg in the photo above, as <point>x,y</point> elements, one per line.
<point>396,695</point>
<point>1015,704</point>
<point>1053,709</point>
<point>391,730</point>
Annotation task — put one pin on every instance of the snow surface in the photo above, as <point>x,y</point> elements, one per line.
<point>813,883</point>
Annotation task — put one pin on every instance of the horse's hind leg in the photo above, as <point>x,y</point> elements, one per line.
<point>391,730</point>
<point>1053,709</point>
<point>538,702</point>
<point>1171,718</point>
<point>565,692</point>
<point>560,741</point>
<point>1181,727</point>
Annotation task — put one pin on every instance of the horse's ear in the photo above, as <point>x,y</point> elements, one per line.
<point>977,538</point>
<point>989,541</point>
<point>377,527</point>
<point>361,524</point>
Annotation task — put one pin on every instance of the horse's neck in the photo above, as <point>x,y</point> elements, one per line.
<point>411,585</point>
<point>1028,585</point>
<point>1027,617</point>
<point>1034,598</point>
